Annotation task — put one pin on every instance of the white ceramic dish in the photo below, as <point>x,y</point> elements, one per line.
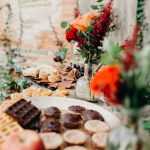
<point>64,103</point>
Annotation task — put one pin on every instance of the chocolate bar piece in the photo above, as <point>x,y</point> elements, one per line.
<point>24,113</point>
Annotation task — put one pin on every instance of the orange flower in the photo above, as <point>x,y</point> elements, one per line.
<point>107,81</point>
<point>82,22</point>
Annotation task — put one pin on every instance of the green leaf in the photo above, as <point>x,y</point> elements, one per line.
<point>64,50</point>
<point>99,1</point>
<point>146,125</point>
<point>94,7</point>
<point>64,24</point>
<point>113,53</point>
<point>90,27</point>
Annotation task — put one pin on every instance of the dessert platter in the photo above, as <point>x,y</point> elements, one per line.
<point>53,77</point>
<point>62,123</point>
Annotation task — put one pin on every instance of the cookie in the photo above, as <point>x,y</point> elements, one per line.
<point>29,91</point>
<point>51,126</point>
<point>16,96</point>
<point>8,130</point>
<point>43,74</point>
<point>44,92</point>
<point>99,140</point>
<point>5,120</point>
<point>93,126</point>
<point>51,140</point>
<point>71,120</point>
<point>62,92</point>
<point>76,109</point>
<point>92,115</point>
<point>75,148</point>
<point>52,112</point>
<point>31,72</point>
<point>75,137</point>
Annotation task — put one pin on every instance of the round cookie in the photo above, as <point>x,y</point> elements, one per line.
<point>51,140</point>
<point>94,126</point>
<point>92,115</point>
<point>76,109</point>
<point>51,126</point>
<point>75,137</point>
<point>75,148</point>
<point>71,120</point>
<point>52,112</point>
<point>100,140</point>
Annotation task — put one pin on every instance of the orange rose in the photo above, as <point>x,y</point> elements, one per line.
<point>82,22</point>
<point>107,81</point>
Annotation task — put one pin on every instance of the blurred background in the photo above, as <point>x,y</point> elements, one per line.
<point>33,26</point>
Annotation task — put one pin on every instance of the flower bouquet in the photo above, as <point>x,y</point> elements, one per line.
<point>89,31</point>
<point>125,78</point>
<point>124,81</point>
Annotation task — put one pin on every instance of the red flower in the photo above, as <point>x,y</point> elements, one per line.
<point>129,46</point>
<point>72,34</point>
<point>108,82</point>
<point>76,13</point>
<point>102,25</point>
<point>80,41</point>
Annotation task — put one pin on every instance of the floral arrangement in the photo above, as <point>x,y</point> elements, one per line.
<point>89,31</point>
<point>125,78</point>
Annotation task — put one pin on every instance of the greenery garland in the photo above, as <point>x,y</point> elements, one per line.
<point>140,18</point>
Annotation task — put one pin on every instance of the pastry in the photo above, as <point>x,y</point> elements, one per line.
<point>76,109</point>
<point>75,148</point>
<point>58,94</point>
<point>100,140</point>
<point>71,120</point>
<point>51,140</point>
<point>51,126</point>
<point>94,126</point>
<point>43,74</point>
<point>52,86</point>
<point>92,115</point>
<point>74,74</point>
<point>54,76</point>
<point>52,112</point>
<point>66,84</point>
<point>34,72</point>
<point>29,91</point>
<point>35,94</point>
<point>5,120</point>
<point>61,93</point>
<point>16,96</point>
<point>24,113</point>
<point>75,137</point>
<point>44,92</point>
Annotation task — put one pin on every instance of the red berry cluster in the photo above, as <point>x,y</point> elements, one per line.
<point>129,45</point>
<point>102,25</point>
<point>76,13</point>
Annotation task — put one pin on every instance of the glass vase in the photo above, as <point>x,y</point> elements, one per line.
<point>82,90</point>
<point>129,136</point>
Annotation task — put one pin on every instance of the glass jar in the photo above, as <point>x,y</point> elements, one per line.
<point>82,89</point>
<point>129,136</point>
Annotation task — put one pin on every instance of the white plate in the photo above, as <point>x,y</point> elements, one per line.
<point>64,103</point>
